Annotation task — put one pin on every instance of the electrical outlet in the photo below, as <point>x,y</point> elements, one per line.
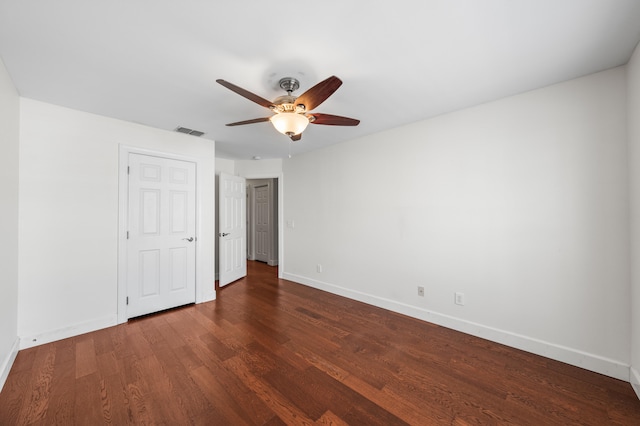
<point>319,268</point>
<point>459,299</point>
<point>420,291</point>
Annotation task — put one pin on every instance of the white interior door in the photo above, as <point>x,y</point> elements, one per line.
<point>232,225</point>
<point>161,234</point>
<point>262,223</point>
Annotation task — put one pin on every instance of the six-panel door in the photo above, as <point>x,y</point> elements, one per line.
<point>161,226</point>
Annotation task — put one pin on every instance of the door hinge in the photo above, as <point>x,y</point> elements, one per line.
<point>128,169</point>
<point>127,300</point>
<point>127,235</point>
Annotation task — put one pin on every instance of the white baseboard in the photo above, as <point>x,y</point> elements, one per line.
<point>32,340</point>
<point>592,362</point>
<point>7,363</point>
<point>634,378</point>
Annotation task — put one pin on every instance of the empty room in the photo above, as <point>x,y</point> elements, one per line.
<point>419,212</point>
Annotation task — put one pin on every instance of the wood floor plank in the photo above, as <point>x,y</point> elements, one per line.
<point>176,371</point>
<point>241,396</point>
<point>36,401</point>
<point>89,394</point>
<point>13,394</point>
<point>118,336</point>
<point>102,341</point>
<point>297,389</point>
<point>116,406</point>
<point>86,362</point>
<point>166,404</point>
<point>272,352</point>
<point>140,389</point>
<point>344,401</point>
<point>61,408</point>
<point>226,408</point>
<point>330,419</point>
<point>172,338</point>
<point>395,404</point>
<point>278,403</point>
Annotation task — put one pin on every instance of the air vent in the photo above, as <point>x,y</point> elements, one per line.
<point>189,131</point>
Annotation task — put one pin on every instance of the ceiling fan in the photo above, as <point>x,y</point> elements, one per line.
<point>292,112</point>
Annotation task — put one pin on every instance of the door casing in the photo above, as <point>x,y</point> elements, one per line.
<point>253,187</point>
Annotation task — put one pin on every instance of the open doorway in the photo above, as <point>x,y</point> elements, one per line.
<point>262,221</point>
<point>276,181</point>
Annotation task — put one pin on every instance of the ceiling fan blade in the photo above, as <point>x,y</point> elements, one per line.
<point>333,120</point>
<point>319,93</point>
<point>296,137</point>
<point>242,92</point>
<point>255,120</point>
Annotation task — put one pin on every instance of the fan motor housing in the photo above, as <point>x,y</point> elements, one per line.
<point>285,103</point>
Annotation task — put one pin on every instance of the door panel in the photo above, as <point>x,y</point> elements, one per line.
<point>150,211</point>
<point>149,273</point>
<point>178,261</point>
<point>179,211</point>
<point>262,223</point>
<point>161,221</point>
<point>232,225</point>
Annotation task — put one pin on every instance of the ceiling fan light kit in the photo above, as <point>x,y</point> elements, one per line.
<point>289,123</point>
<point>291,113</point>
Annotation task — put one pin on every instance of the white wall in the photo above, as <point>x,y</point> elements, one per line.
<point>9,145</point>
<point>224,165</point>
<point>252,169</point>
<point>521,204</point>
<point>69,216</point>
<point>633,97</point>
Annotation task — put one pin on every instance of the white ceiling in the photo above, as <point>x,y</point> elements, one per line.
<point>155,62</point>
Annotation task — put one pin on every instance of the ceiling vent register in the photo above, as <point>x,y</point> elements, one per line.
<point>188,131</point>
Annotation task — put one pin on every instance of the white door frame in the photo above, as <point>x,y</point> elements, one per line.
<point>251,250</point>
<point>251,217</point>
<point>123,207</point>
<point>280,178</point>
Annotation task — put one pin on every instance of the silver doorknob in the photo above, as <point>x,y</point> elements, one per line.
<point>188,239</point>
<point>224,234</point>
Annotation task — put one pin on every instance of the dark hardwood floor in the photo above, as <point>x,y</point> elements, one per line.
<point>271,352</point>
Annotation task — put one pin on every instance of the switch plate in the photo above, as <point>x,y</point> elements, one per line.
<point>420,291</point>
<point>319,268</point>
<point>459,299</point>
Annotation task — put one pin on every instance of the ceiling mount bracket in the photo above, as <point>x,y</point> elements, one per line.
<point>289,84</point>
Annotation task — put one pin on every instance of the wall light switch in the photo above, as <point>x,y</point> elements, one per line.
<point>459,299</point>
